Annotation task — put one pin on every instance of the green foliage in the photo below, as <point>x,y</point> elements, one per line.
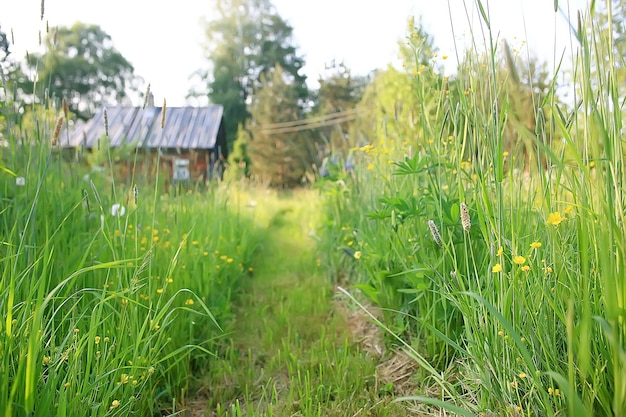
<point>81,65</point>
<point>339,93</point>
<point>485,219</point>
<point>280,156</point>
<point>239,158</point>
<point>4,44</point>
<point>246,44</point>
<point>108,310</point>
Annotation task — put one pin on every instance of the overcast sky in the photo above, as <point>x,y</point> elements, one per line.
<point>163,39</point>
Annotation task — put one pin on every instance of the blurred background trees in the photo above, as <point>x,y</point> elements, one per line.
<point>81,65</point>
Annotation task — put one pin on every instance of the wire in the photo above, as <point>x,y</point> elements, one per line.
<point>312,123</point>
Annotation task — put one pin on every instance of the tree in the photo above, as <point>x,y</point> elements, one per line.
<point>239,158</point>
<point>245,44</point>
<point>4,45</point>
<point>279,155</point>
<point>81,65</point>
<point>339,93</point>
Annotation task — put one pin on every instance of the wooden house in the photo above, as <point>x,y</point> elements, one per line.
<point>189,144</point>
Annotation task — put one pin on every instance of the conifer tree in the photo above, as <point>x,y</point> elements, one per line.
<point>280,155</point>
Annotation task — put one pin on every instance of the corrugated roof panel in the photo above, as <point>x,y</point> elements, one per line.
<point>117,119</point>
<point>94,129</point>
<point>143,125</point>
<point>191,139</point>
<point>173,129</point>
<point>153,137</point>
<point>185,127</point>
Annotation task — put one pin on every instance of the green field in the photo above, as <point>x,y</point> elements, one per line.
<point>467,259</point>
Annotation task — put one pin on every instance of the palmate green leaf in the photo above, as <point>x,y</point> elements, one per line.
<point>403,208</point>
<point>410,166</point>
<point>379,214</point>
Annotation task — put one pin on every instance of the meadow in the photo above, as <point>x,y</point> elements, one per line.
<point>479,230</point>
<point>494,244</point>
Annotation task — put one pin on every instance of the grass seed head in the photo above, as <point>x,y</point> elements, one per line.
<point>163,113</point>
<point>146,97</point>
<point>465,218</point>
<point>136,193</point>
<point>106,123</point>
<point>434,232</point>
<point>66,109</point>
<point>57,130</point>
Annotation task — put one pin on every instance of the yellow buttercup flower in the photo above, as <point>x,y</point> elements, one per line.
<point>519,260</point>
<point>535,245</point>
<point>496,268</point>
<point>554,219</point>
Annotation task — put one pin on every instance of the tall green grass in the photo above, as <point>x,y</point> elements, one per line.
<point>521,312</point>
<point>108,313</point>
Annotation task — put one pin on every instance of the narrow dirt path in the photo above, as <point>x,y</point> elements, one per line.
<point>293,352</point>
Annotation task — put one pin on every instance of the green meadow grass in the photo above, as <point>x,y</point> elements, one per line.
<point>496,262</point>
<point>517,306</point>
<point>292,351</point>
<point>108,313</point>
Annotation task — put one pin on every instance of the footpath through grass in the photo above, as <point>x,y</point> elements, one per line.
<point>291,352</point>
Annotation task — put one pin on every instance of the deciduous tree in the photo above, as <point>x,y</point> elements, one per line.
<point>339,94</point>
<point>81,64</point>
<point>280,155</point>
<point>244,44</point>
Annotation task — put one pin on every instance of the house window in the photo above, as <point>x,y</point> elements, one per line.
<point>181,170</point>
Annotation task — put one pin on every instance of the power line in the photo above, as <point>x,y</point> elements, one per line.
<point>312,123</point>
<point>310,119</point>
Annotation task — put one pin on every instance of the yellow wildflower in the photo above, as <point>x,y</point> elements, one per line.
<point>554,219</point>
<point>535,245</point>
<point>500,251</point>
<point>114,404</point>
<point>526,268</point>
<point>519,260</point>
<point>496,268</point>
<point>357,254</point>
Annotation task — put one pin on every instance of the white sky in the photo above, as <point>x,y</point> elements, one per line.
<point>163,39</point>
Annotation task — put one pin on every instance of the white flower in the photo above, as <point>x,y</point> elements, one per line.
<point>118,210</point>
<point>20,181</point>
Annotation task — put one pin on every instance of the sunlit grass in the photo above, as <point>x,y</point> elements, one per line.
<point>111,297</point>
<point>525,306</point>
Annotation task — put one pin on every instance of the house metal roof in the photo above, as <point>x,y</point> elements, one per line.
<point>185,128</point>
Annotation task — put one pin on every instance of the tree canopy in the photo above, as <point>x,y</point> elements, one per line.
<point>245,44</point>
<point>280,155</point>
<point>81,65</point>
